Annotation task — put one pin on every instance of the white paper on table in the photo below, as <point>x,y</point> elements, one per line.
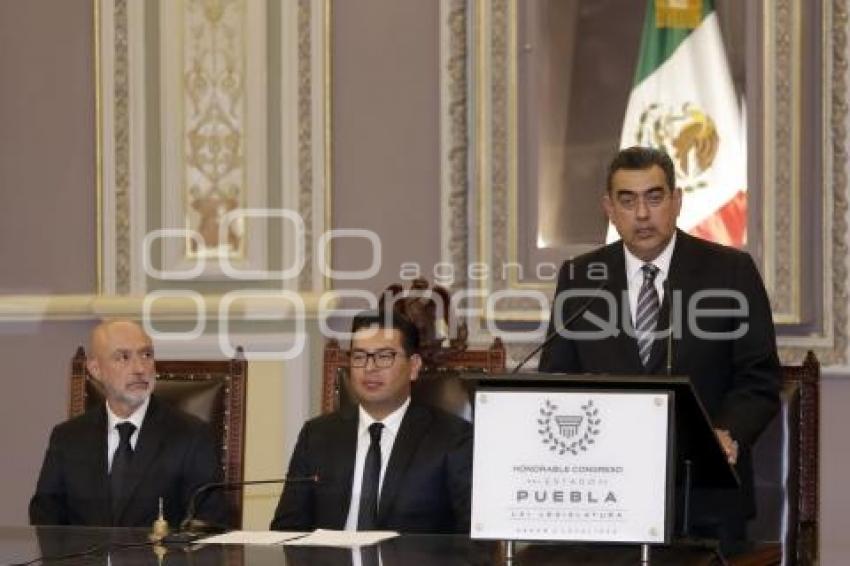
<point>251,537</point>
<point>324,537</point>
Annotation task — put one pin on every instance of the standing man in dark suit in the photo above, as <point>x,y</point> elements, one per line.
<point>722,329</point>
<point>388,464</point>
<point>112,464</point>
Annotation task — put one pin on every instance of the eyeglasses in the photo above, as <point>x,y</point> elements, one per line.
<point>652,198</point>
<point>381,358</point>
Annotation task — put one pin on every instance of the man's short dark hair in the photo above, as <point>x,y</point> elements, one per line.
<point>639,158</point>
<point>389,319</point>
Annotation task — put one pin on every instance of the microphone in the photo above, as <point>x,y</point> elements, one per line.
<point>557,331</point>
<point>192,528</point>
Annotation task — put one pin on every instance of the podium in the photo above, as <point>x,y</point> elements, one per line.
<point>506,401</point>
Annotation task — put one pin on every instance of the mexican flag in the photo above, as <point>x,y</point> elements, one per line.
<point>683,102</point>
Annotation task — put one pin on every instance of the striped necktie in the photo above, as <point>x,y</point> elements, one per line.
<point>646,314</point>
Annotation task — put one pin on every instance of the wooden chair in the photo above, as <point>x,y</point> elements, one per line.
<point>213,391</point>
<point>785,466</point>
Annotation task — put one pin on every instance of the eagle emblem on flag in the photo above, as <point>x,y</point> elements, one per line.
<point>687,133</point>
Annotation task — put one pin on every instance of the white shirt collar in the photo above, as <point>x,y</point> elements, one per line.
<point>137,417</point>
<point>662,262</point>
<point>391,422</point>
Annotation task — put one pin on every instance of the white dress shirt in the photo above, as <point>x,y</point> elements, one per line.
<point>391,423</point>
<point>634,274</point>
<point>113,438</point>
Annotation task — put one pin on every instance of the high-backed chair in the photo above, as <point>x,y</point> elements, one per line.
<point>785,462</point>
<point>213,391</point>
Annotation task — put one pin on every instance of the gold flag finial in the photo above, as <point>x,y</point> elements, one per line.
<point>678,14</point>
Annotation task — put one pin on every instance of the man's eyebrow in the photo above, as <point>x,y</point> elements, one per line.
<point>634,192</point>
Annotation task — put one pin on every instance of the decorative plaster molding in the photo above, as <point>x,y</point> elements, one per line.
<point>782,119</point>
<point>37,308</point>
<point>122,88</point>
<point>502,151</point>
<point>839,138</point>
<point>835,188</point>
<point>455,136</point>
<point>305,136</point>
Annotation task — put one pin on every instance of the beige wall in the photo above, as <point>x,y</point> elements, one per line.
<point>835,468</point>
<point>385,175</point>
<point>47,162</point>
<point>385,146</point>
<point>36,363</point>
<point>47,220</point>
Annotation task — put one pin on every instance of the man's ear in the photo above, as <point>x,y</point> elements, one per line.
<point>415,366</point>
<point>608,206</point>
<point>93,367</point>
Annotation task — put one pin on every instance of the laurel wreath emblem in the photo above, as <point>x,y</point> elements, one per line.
<point>560,445</point>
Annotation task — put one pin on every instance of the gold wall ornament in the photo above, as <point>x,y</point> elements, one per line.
<point>185,131</point>
<point>214,123</point>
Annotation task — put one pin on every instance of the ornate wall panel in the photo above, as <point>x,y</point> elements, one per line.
<point>188,93</point>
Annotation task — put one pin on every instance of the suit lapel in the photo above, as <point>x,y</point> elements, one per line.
<point>342,448</point>
<point>413,428</point>
<point>679,280</point>
<point>147,448</point>
<point>94,443</point>
<point>685,276</point>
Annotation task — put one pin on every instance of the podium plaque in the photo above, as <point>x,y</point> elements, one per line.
<point>576,465</point>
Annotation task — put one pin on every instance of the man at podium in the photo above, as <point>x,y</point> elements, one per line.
<point>659,301</point>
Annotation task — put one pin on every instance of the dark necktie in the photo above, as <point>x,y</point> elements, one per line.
<point>369,555</point>
<point>120,467</point>
<point>646,314</point>
<point>367,517</point>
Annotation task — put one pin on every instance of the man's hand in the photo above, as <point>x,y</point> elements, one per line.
<point>729,446</point>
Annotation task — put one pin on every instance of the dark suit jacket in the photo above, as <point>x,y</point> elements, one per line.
<point>174,455</point>
<point>737,380</point>
<point>427,484</point>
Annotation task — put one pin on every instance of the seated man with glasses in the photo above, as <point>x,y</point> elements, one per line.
<point>389,464</point>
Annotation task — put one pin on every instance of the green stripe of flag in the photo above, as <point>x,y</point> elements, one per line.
<point>657,45</point>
